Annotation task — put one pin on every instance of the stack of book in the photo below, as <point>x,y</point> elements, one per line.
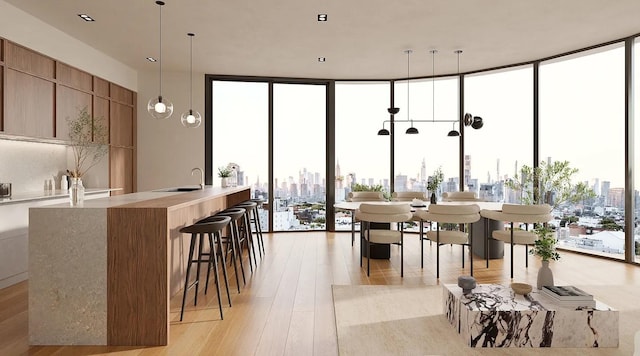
<point>569,296</point>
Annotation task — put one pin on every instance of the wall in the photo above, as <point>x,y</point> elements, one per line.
<point>28,31</point>
<point>27,169</point>
<point>167,151</point>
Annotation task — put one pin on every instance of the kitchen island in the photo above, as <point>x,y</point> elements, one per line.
<point>103,274</point>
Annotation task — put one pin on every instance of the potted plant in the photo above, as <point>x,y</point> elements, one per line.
<point>88,139</point>
<point>434,183</point>
<point>550,183</point>
<point>224,173</point>
<point>545,248</point>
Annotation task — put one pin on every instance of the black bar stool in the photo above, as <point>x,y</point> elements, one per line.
<point>198,230</point>
<point>256,222</point>
<point>247,230</point>
<point>233,241</point>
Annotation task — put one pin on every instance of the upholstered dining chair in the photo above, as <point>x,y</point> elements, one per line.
<point>460,196</point>
<point>516,213</point>
<point>410,196</point>
<point>362,196</point>
<point>451,214</point>
<point>383,213</point>
<point>366,196</point>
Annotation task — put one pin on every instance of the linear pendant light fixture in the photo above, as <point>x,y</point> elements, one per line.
<point>454,132</point>
<point>475,122</point>
<point>158,107</point>
<point>411,130</point>
<point>191,118</point>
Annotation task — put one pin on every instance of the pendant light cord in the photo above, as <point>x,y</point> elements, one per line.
<point>160,56</point>
<point>191,72</point>
<point>408,116</point>
<point>433,85</point>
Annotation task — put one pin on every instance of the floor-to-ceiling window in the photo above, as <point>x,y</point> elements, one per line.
<point>362,157</point>
<point>240,112</point>
<point>582,122</point>
<point>433,105</point>
<point>493,153</point>
<point>299,141</point>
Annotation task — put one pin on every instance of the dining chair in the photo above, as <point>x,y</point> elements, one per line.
<point>516,213</point>
<point>358,197</point>
<point>369,213</point>
<point>366,196</point>
<point>409,197</point>
<point>457,215</point>
<point>460,196</point>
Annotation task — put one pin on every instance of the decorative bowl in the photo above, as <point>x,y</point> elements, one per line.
<point>521,288</point>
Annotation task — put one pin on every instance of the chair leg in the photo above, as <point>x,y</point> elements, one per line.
<point>224,265</point>
<point>471,249</point>
<point>201,239</point>
<point>209,265</point>
<point>512,250</point>
<point>421,244</point>
<point>401,252</point>
<point>486,240</point>
<point>186,280</point>
<point>217,279</point>
<point>368,250</point>
<point>437,250</point>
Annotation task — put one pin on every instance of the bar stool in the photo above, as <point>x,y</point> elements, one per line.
<point>257,222</point>
<point>198,230</point>
<point>252,218</point>
<point>233,241</point>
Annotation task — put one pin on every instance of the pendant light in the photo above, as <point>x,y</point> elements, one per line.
<point>454,132</point>
<point>191,118</point>
<point>411,130</point>
<point>158,107</point>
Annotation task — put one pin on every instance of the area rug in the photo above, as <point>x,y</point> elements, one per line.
<point>398,320</point>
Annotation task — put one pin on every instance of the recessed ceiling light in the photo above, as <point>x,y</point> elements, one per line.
<point>322,17</point>
<point>322,59</point>
<point>86,17</point>
<point>151,59</point>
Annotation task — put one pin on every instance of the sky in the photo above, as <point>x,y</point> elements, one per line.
<point>581,120</point>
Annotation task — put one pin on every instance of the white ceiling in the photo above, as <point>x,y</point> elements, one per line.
<point>362,39</point>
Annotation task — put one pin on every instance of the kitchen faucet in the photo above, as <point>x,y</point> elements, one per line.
<point>201,176</point>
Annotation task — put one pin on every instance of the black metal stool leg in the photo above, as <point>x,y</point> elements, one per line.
<point>224,264</point>
<point>186,280</point>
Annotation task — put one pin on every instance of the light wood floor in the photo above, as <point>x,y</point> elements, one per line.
<point>286,307</point>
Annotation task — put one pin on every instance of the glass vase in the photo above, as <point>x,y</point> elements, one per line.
<point>76,192</point>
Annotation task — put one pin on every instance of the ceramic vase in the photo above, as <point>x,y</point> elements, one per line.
<point>76,192</point>
<point>224,182</point>
<point>545,275</point>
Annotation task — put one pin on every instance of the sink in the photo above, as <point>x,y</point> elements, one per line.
<point>179,189</point>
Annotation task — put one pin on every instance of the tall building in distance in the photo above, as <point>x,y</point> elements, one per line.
<point>467,172</point>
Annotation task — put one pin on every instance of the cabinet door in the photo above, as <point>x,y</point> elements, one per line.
<point>121,123</point>
<point>29,105</point>
<point>68,105</point>
<point>121,169</point>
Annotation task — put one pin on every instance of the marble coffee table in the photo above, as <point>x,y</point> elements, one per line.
<point>493,316</point>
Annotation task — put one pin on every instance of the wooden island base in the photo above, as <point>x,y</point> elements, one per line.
<point>103,274</point>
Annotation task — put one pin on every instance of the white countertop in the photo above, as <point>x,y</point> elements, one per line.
<point>51,194</point>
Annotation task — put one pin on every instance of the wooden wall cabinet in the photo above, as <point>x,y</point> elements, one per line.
<point>38,94</point>
<point>29,105</point>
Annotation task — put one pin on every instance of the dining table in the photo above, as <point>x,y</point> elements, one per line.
<point>483,245</point>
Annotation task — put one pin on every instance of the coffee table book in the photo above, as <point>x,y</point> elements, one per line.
<point>566,293</point>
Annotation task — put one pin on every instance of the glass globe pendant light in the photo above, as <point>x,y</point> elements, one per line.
<point>191,118</point>
<point>158,107</point>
